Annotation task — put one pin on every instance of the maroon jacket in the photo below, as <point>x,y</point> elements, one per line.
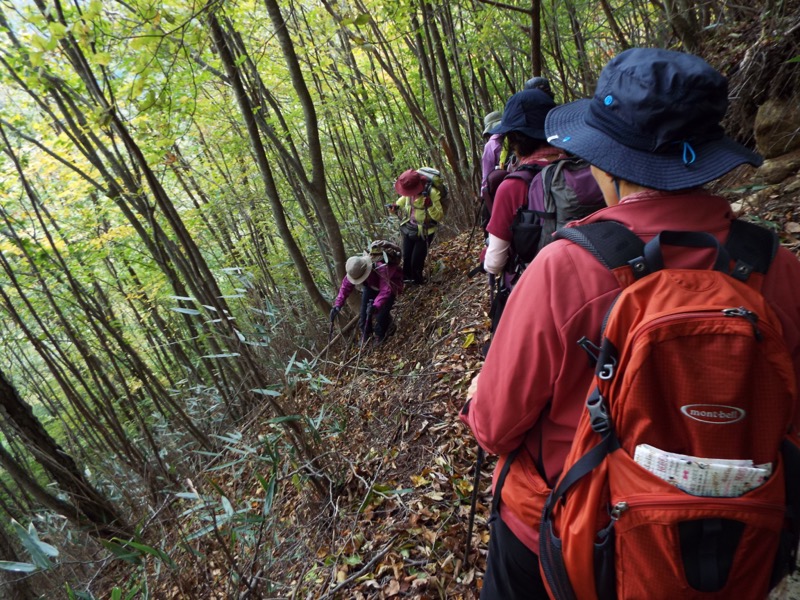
<point>533,384</point>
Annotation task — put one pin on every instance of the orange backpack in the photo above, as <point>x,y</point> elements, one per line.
<point>692,374</point>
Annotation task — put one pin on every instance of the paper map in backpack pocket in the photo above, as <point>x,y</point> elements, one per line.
<point>698,476</point>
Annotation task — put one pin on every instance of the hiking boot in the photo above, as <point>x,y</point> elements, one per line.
<point>380,339</point>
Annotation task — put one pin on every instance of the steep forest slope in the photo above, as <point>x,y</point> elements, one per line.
<point>396,526</point>
<point>394,521</point>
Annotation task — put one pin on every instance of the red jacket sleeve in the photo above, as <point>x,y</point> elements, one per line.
<point>511,194</point>
<point>534,363</point>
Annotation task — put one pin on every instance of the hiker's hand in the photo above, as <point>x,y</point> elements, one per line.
<point>392,208</point>
<point>334,312</point>
<point>473,387</point>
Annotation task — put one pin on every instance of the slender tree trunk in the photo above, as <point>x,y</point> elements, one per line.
<point>612,23</point>
<point>320,197</point>
<point>263,165</point>
<point>90,504</point>
<point>536,37</point>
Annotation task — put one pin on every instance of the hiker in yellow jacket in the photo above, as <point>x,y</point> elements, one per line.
<point>420,210</point>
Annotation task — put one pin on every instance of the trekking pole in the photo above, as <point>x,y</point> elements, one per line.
<point>473,505</point>
<point>475,224</point>
<point>327,347</point>
<point>366,324</point>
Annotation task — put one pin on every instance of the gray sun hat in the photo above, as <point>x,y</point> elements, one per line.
<point>491,121</point>
<point>358,268</point>
<point>654,121</point>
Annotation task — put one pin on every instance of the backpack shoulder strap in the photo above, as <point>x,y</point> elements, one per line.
<point>525,173</point>
<point>611,243</point>
<point>752,247</point>
<point>426,191</point>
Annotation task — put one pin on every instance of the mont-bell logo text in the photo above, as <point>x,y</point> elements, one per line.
<point>713,413</point>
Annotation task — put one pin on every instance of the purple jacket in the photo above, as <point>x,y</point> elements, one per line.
<point>491,157</point>
<point>386,279</point>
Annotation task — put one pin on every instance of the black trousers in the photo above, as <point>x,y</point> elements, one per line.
<point>382,318</point>
<point>512,570</point>
<point>415,250</point>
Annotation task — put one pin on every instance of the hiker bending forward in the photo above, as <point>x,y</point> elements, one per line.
<point>653,137</point>
<point>420,210</point>
<point>380,284</point>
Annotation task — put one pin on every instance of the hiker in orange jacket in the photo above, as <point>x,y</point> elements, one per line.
<point>653,137</point>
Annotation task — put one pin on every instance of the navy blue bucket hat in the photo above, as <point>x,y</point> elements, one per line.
<point>525,112</point>
<point>654,121</point>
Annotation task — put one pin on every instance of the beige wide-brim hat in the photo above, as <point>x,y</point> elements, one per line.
<point>358,268</point>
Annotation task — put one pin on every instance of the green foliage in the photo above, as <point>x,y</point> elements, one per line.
<point>306,371</point>
<point>40,552</point>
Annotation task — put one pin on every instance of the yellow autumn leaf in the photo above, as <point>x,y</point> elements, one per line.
<point>57,29</point>
<point>40,42</point>
<point>419,481</point>
<point>469,341</point>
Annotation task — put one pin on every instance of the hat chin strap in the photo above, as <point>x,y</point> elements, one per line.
<point>615,180</point>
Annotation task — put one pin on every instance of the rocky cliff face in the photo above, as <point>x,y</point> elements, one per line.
<point>777,134</point>
<point>761,58</point>
<point>773,196</point>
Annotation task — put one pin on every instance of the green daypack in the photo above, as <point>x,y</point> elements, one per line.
<point>433,178</point>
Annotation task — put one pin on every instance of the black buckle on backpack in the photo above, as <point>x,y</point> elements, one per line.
<point>598,412</point>
<point>639,267</point>
<point>741,270</point>
<point>592,349</point>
